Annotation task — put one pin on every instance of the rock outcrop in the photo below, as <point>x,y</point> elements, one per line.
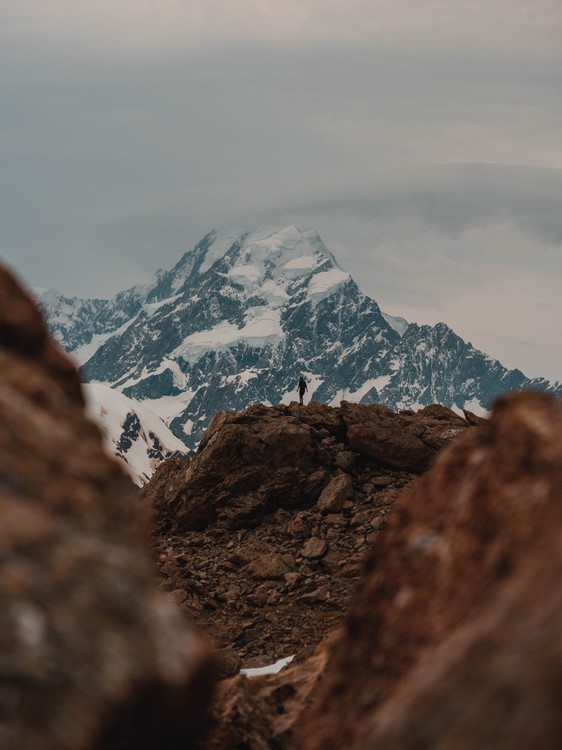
<point>253,463</point>
<point>453,636</point>
<point>92,655</point>
<point>261,536</point>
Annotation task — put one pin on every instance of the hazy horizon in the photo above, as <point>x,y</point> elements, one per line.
<point>421,139</point>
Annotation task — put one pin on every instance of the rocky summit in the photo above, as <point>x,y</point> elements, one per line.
<point>241,316</point>
<point>261,535</point>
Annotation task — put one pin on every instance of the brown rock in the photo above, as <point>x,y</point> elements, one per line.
<point>314,548</point>
<point>91,653</point>
<point>271,567</point>
<point>245,505</point>
<point>344,460</point>
<point>473,419</point>
<point>404,441</point>
<point>228,662</point>
<point>260,712</point>
<point>463,594</point>
<point>336,493</point>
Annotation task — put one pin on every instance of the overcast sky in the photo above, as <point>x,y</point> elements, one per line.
<point>421,138</point>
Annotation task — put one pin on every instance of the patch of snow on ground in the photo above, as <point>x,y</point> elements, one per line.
<point>169,407</point>
<point>246,276</point>
<point>326,283</point>
<point>218,249</point>
<point>271,669</point>
<point>151,307</point>
<point>273,293</point>
<point>474,406</point>
<point>242,378</point>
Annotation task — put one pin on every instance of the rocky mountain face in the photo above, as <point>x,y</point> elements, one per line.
<point>92,654</point>
<point>239,318</point>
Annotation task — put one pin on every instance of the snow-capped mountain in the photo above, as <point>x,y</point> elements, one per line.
<point>133,433</point>
<point>240,317</point>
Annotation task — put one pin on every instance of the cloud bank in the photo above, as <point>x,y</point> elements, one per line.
<point>420,137</point>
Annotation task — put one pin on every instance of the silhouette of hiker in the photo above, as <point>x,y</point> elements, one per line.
<point>301,387</point>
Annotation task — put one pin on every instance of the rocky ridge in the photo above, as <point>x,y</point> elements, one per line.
<point>261,535</point>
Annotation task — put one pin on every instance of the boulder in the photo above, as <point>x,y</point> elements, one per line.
<point>315,548</point>
<point>453,635</point>
<point>407,441</point>
<point>92,654</point>
<point>335,493</point>
<point>259,713</point>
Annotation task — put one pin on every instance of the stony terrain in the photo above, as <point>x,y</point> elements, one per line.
<point>261,536</point>
<point>463,594</point>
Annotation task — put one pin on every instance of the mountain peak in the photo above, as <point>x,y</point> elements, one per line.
<point>243,313</point>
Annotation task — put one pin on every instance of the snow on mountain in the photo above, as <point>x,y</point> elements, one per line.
<point>240,317</point>
<point>132,432</point>
<point>399,324</point>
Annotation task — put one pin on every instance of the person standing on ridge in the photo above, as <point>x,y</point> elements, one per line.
<point>301,387</point>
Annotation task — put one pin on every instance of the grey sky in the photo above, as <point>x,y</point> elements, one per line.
<point>422,138</point>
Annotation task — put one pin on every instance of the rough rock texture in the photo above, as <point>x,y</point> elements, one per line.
<point>262,535</point>
<point>259,713</point>
<point>253,463</point>
<point>91,653</point>
<point>453,639</point>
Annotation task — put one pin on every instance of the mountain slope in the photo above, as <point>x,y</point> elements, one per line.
<point>132,433</point>
<point>240,317</point>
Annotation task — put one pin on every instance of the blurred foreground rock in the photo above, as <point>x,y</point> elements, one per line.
<point>453,640</point>
<point>92,655</point>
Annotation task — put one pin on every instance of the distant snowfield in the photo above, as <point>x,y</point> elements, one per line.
<point>354,397</point>
<point>326,283</point>
<point>263,327</point>
<point>475,407</point>
<point>130,441</point>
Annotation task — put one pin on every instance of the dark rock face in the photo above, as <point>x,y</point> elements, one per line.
<point>453,636</point>
<point>403,441</point>
<point>91,653</point>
